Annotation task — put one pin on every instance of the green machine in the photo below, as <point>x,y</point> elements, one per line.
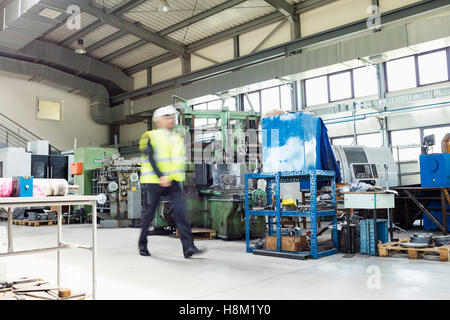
<point>217,161</point>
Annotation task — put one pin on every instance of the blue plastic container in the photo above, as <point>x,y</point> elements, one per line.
<point>368,237</point>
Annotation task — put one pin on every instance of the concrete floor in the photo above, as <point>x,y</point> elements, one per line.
<point>225,271</point>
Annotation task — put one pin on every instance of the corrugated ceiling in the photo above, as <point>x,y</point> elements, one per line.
<point>143,53</point>
<point>63,32</point>
<point>180,10</point>
<point>98,34</point>
<point>146,14</point>
<point>224,20</point>
<point>113,46</point>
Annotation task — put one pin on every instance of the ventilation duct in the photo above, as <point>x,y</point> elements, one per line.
<point>98,95</point>
<point>22,21</point>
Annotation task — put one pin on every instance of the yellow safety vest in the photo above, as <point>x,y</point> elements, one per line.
<point>168,152</point>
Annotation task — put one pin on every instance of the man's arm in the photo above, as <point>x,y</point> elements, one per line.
<point>150,153</point>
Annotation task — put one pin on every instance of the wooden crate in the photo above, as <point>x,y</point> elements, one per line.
<point>201,233</point>
<point>391,248</point>
<point>37,223</point>
<point>294,244</point>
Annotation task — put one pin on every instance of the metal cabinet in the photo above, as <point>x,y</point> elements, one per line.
<point>49,167</point>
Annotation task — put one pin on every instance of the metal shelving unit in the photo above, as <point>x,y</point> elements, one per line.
<point>311,176</point>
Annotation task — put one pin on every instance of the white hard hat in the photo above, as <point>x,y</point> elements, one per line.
<point>164,111</point>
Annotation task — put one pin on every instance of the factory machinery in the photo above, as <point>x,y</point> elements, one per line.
<point>102,171</point>
<point>214,187</point>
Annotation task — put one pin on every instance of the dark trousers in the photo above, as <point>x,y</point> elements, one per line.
<point>153,193</point>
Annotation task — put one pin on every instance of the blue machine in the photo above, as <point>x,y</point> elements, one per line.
<point>22,186</point>
<point>435,170</point>
<point>295,142</point>
<point>434,207</point>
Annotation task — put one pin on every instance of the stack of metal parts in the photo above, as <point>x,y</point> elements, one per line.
<point>34,214</point>
<point>424,240</point>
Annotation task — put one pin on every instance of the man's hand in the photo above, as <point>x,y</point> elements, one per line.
<point>164,181</point>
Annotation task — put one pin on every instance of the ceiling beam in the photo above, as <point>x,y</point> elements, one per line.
<point>150,63</point>
<point>120,23</point>
<point>127,6</point>
<point>307,5</point>
<point>201,16</point>
<point>282,6</point>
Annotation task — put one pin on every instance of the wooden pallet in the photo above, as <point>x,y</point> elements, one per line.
<point>201,234</point>
<point>390,248</point>
<point>36,223</point>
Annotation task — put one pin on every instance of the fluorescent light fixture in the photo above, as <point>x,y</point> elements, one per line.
<point>163,6</point>
<point>80,49</point>
<point>50,13</point>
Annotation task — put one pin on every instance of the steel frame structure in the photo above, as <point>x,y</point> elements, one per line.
<point>311,176</point>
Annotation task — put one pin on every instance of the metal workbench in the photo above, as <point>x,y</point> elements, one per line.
<point>59,201</point>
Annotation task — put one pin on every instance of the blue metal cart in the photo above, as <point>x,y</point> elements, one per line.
<point>311,176</point>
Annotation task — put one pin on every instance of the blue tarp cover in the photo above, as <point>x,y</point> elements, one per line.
<point>297,141</point>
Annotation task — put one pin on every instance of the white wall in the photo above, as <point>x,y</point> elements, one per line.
<point>140,79</point>
<point>132,132</point>
<point>333,15</point>
<point>18,102</point>
<point>250,40</point>
<point>166,70</point>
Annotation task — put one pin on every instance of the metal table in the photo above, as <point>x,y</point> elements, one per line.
<point>370,200</point>
<point>59,201</point>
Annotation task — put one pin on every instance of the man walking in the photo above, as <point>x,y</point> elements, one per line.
<point>162,172</point>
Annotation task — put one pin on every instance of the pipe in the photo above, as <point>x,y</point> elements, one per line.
<point>373,114</point>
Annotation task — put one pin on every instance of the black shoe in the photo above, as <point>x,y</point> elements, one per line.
<point>191,251</point>
<point>143,251</point>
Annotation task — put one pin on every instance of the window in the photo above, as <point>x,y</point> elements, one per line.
<point>254,100</point>
<point>406,138</point>
<point>286,97</point>
<point>215,105</point>
<point>401,74</point>
<point>316,91</point>
<point>433,67</point>
<point>372,140</point>
<point>365,80</point>
<point>201,106</point>
<point>340,86</point>
<point>270,99</point>
<point>439,134</point>
<point>347,141</point>
<point>48,109</point>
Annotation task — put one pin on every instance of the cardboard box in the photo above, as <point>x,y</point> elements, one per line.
<point>287,243</point>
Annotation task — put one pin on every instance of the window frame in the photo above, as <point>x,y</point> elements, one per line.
<point>38,98</point>
<point>447,54</point>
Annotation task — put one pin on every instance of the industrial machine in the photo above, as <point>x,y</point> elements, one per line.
<point>435,168</point>
<point>216,164</point>
<point>118,182</point>
<point>104,172</point>
<point>369,165</point>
